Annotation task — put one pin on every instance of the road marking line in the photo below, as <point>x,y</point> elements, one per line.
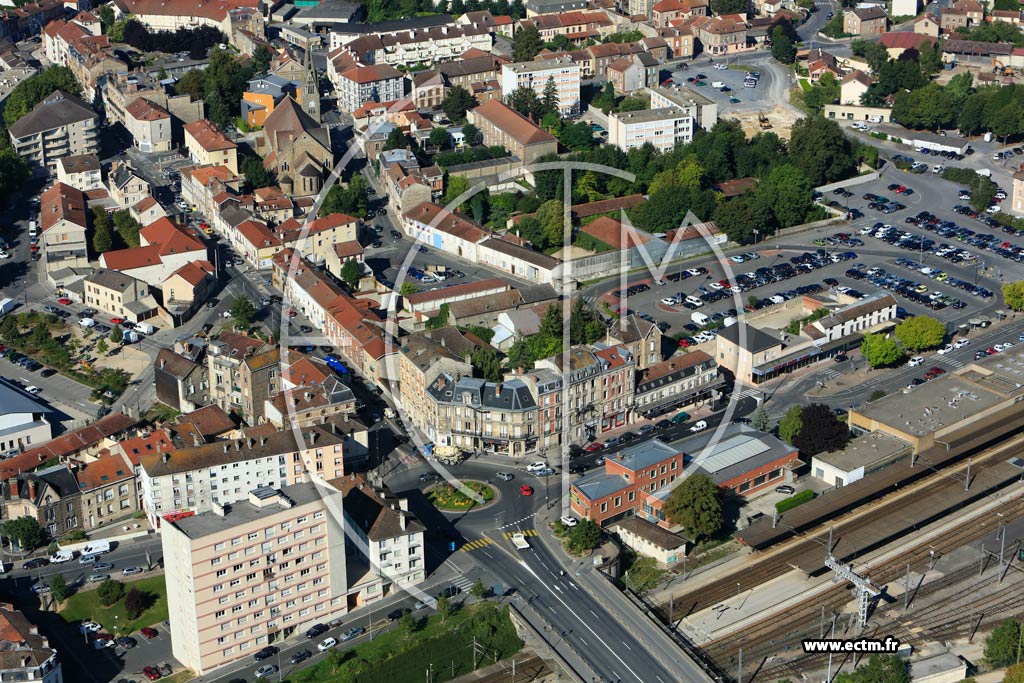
<point>592,612</point>
<point>585,624</point>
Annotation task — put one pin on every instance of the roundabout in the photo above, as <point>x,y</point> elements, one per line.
<point>448,498</point>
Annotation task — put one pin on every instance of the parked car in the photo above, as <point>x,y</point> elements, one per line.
<point>316,630</point>
<point>265,653</point>
<point>353,632</point>
<point>300,656</point>
<point>131,571</point>
<point>127,642</point>
<point>151,673</point>
<point>36,562</point>
<point>148,632</point>
<point>568,521</point>
<point>396,614</point>
<point>786,489</point>
<point>504,476</point>
<point>326,644</point>
<point>266,670</point>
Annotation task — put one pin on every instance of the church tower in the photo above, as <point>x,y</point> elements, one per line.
<point>311,88</point>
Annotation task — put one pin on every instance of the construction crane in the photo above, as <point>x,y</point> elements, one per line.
<point>763,121</point>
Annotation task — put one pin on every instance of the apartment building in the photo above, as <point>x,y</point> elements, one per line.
<point>576,26</point>
<point>207,144</point>
<point>502,125</point>
<point>703,110</point>
<point>722,35</point>
<point>311,393</point>
<point>117,294</point>
<point>317,238</point>
<point>50,496</point>
<point>108,490</point>
<point>27,656</point>
<point>252,573</point>
<point>872,21</point>
<point>474,415</point>
<point>194,479</point>
<point>149,125</point>
<point>242,374</point>
<point>641,338</point>
<point>169,15</point>
<point>422,46</point>
<point>362,84</point>
<point>601,389</point>
<point>60,125</point>
<point>664,128</point>
<point>81,171</point>
<point>535,75</point>
<point>24,420</point>
<point>63,222</point>
<point>683,381</point>
<point>423,356</point>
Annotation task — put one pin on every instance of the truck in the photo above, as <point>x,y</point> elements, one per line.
<point>520,542</point>
<point>144,328</point>
<point>7,305</point>
<point>718,84</point>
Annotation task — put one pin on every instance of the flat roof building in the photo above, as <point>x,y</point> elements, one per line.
<point>862,456</point>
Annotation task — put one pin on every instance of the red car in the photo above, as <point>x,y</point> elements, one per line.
<point>596,446</point>
<point>526,490</point>
<point>937,371</point>
<point>148,632</point>
<point>684,342</point>
<point>117,321</point>
<point>34,248</point>
<point>151,673</point>
<point>64,301</point>
<point>991,351</point>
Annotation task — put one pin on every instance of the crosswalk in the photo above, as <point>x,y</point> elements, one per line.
<point>831,373</point>
<point>462,583</point>
<point>952,362</point>
<point>524,532</point>
<point>477,544</point>
<point>747,393</point>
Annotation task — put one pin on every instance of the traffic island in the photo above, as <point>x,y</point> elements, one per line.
<point>447,497</point>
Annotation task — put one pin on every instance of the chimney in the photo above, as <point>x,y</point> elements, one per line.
<point>263,441</point>
<point>31,489</point>
<point>238,444</point>
<point>401,520</point>
<point>12,487</point>
<point>227,447</point>
<point>403,503</point>
<point>312,437</point>
<point>195,440</point>
<point>252,442</point>
<point>166,457</point>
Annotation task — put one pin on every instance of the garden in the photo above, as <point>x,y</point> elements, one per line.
<point>128,607</point>
<point>448,497</point>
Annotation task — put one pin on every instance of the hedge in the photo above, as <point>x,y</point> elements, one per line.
<point>794,501</point>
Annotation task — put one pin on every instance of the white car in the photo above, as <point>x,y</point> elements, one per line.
<point>716,286</point>
<point>5,254</point>
<point>699,426</point>
<point>738,258</point>
<point>721,66</point>
<point>1000,347</point>
<point>669,301</point>
<point>945,349</point>
<point>569,521</point>
<point>266,670</point>
<point>915,361</point>
<point>326,644</point>
<point>693,272</point>
<point>961,343</point>
<point>993,209</point>
<point>89,627</point>
<point>33,389</point>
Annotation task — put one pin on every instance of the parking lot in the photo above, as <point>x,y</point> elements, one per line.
<point>737,97</point>
<point>935,261</point>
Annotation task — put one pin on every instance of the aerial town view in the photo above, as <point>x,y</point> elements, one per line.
<point>486,341</point>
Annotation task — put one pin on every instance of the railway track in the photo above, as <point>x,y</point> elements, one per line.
<point>781,634</point>
<point>787,555</point>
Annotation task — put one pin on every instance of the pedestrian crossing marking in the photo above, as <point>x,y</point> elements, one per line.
<point>477,544</point>
<point>524,532</point>
<point>747,393</point>
<point>462,582</point>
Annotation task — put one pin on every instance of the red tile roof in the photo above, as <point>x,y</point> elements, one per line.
<point>194,272</point>
<point>131,258</point>
<point>369,74</point>
<point>159,441</point>
<point>445,221</point>
<point>208,136</point>
<point>170,238</point>
<point>514,124</point>
<point>258,234</point>
<point>68,444</point>
<point>61,202</point>
<point>208,9</point>
<point>905,40</point>
<point>204,174</point>
<point>612,233</point>
<point>103,471</point>
<point>144,110</point>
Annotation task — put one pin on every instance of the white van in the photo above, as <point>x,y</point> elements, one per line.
<point>144,328</point>
<point>728,321</point>
<point>699,426</point>
<point>62,556</point>
<point>694,301</point>
<point>96,548</point>
<point>718,84</point>
<point>32,232</point>
<point>87,322</point>
<point>699,318</point>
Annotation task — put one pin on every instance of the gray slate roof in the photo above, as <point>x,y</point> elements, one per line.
<point>56,111</point>
<point>510,395</point>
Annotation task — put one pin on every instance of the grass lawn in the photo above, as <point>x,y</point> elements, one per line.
<point>445,497</point>
<point>805,85</point>
<point>85,605</point>
<point>401,655</point>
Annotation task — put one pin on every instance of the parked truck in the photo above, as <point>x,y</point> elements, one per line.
<point>144,328</point>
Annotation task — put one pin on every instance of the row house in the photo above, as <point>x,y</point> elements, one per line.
<point>316,239</point>
<point>164,247</point>
<point>107,486</point>
<point>422,358</point>
<point>684,381</point>
<point>80,45</point>
<point>680,39</point>
<point>722,35</point>
<point>475,415</point>
<point>578,27</point>
<point>502,25</point>
<point>600,387</point>
<point>425,46</point>
<point>629,74</point>
<point>361,84</point>
<point>429,88</point>
<point>82,444</point>
<point>311,393</point>
<point>664,11</point>
<point>200,184</point>
<point>207,145</point>
<point>170,15</point>
<point>122,88</point>
<point>125,186</point>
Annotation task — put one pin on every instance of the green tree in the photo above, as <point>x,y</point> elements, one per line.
<point>116,334</point>
<point>783,49</point>
<point>408,622</point>
<point>791,424</point>
<point>1013,295</point>
<point>261,59</point>
<point>760,420</point>
<point>824,92</point>
<point>106,16</point>
<point>478,590</point>
<point>552,222</point>
<point>25,532</point>
<point>606,100</point>
<point>455,186</point>
<point>408,289</point>
<point>790,191</point>
<point>101,346</point>
<point>471,133</point>
<point>834,27</point>
<point>1002,644</point>
<point>526,44</point>
<point>879,669</point>
<point>584,325</point>
<point>135,603</point>
<point>256,176</point>
<point>33,90</point>
<point>457,102</point>
<point>928,107</point>
<point>102,237</point>
<point>740,216</point>
<point>59,588</point>
<point>127,228</point>
<point>696,504</point>
<point>192,83</point>
<point>486,363</point>
<point>821,150</point>
<point>439,137</point>
<point>577,136</point>
<point>444,607</point>
<point>525,101</point>
<point>350,273</point>
<point>920,332</point>
<point>1014,674</point>
<point>820,431</point>
<point>880,351</point>
<point>729,6</point>
<point>242,311</point>
<point>109,592</point>
<point>549,96</point>
<point>583,537</point>
<point>395,140</point>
